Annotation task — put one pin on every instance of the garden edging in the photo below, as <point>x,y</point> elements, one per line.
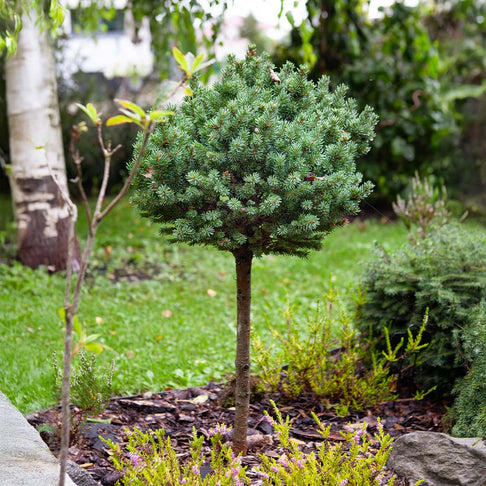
<point>25,459</point>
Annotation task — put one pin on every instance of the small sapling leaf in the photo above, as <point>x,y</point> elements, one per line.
<point>90,111</point>
<point>132,107</point>
<point>119,120</point>
<point>181,60</point>
<point>159,115</point>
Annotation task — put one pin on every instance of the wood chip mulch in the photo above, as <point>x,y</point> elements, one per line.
<point>178,411</point>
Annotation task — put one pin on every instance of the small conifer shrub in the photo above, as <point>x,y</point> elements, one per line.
<point>260,162</point>
<point>446,273</point>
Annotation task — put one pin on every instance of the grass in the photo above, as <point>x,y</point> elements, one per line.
<point>175,329</point>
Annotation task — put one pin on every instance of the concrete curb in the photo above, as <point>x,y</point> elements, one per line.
<point>25,460</point>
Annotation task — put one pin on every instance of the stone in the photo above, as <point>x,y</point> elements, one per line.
<point>25,459</point>
<point>79,475</point>
<point>439,459</point>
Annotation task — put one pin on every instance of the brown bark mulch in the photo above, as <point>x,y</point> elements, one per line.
<point>178,411</point>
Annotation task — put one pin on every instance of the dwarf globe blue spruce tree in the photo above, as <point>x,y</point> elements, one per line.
<point>261,162</point>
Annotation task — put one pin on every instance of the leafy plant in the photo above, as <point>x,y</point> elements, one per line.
<point>334,370</point>
<point>151,460</point>
<point>444,272</point>
<point>83,340</point>
<point>426,207</point>
<point>91,389</point>
<point>468,413</point>
<point>130,113</point>
<point>262,162</point>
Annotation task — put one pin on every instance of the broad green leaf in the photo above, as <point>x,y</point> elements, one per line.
<point>91,338</point>
<point>197,62</point>
<point>180,58</point>
<point>118,120</point>
<point>96,348</point>
<point>204,65</point>
<point>90,110</point>
<point>131,106</point>
<point>131,114</point>
<point>62,314</point>
<point>78,329</point>
<point>188,91</point>
<point>190,62</point>
<point>56,13</point>
<point>157,114</point>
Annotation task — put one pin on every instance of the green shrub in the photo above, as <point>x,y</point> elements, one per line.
<point>91,388</point>
<point>444,272</point>
<point>469,410</point>
<point>331,368</point>
<point>424,208</point>
<point>150,459</point>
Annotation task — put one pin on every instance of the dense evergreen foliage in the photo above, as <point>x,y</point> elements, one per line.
<point>446,273</point>
<point>260,160</point>
<point>469,410</point>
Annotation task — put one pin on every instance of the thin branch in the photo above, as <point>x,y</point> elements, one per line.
<point>77,159</point>
<point>68,313</point>
<point>128,181</point>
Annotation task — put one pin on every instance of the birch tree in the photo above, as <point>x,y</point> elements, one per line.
<point>35,138</point>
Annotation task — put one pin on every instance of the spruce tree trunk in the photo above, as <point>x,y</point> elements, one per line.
<point>243,260</point>
<point>41,215</point>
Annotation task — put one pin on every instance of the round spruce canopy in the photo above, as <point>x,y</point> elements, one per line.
<point>263,160</point>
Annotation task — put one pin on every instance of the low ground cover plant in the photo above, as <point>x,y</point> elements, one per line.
<point>326,358</point>
<point>149,459</point>
<point>262,162</point>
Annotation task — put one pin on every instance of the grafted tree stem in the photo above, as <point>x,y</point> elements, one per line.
<point>243,259</point>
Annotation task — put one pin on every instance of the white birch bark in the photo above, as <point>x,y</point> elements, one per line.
<point>36,141</point>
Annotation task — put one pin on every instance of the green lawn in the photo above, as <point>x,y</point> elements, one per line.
<point>176,329</point>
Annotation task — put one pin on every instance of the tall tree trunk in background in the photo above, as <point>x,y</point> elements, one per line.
<point>35,144</point>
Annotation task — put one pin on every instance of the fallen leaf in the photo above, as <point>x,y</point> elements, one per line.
<point>212,293</point>
<point>158,338</point>
<point>167,313</point>
<point>99,320</point>
<point>112,332</point>
<point>197,400</point>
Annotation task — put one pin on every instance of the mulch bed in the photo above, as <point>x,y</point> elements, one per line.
<point>178,411</point>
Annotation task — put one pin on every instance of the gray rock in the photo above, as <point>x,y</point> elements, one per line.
<point>24,458</point>
<point>79,475</point>
<point>439,459</point>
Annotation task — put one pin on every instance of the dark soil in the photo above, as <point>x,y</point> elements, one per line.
<point>178,411</point>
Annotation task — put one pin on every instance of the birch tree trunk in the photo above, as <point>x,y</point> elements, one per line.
<point>41,214</point>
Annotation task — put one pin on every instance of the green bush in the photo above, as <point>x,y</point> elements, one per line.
<point>469,410</point>
<point>313,361</point>
<point>445,273</point>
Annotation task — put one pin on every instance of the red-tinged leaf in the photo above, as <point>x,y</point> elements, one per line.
<point>131,106</point>
<point>119,120</point>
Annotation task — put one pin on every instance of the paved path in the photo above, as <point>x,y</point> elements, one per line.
<point>25,459</point>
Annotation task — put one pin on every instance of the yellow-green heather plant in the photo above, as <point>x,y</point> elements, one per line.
<point>331,368</point>
<point>150,460</point>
